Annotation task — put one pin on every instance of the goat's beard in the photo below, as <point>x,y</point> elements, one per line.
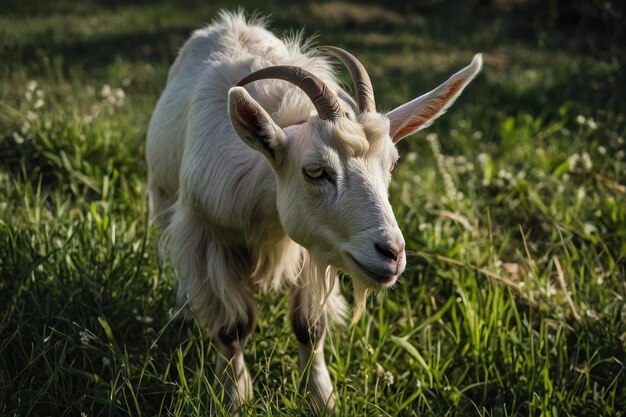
<point>324,280</point>
<point>361,292</point>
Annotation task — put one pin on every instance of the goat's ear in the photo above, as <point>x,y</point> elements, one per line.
<point>422,112</point>
<point>254,126</point>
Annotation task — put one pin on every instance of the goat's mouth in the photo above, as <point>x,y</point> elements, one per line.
<point>372,279</point>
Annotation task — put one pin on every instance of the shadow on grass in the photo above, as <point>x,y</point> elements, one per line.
<point>88,54</point>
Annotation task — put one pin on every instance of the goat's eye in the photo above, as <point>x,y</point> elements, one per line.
<point>314,173</point>
<point>393,166</point>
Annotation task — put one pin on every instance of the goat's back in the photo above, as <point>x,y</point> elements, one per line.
<point>192,150</point>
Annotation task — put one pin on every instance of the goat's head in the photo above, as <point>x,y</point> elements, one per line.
<point>333,171</point>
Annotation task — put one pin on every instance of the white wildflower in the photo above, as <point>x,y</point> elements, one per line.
<point>424,226</point>
<point>504,174</point>
<point>106,90</point>
<point>460,160</point>
<point>38,104</point>
<point>388,378</point>
<point>432,137</point>
<point>19,139</point>
<point>580,119</point>
<point>31,85</point>
<point>383,374</point>
<point>586,159</point>
<point>26,127</point>
<point>380,371</point>
<point>140,318</point>
<point>601,150</point>
<point>592,124</point>
<point>84,337</point>
<point>572,161</point>
<point>590,228</point>
<point>119,93</point>
<point>591,313</point>
<point>478,134</point>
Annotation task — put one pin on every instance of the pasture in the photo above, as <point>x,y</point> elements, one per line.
<point>513,207</point>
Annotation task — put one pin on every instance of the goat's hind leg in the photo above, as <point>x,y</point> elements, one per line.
<point>231,329</point>
<point>213,286</point>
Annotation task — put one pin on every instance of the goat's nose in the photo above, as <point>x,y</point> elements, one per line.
<point>390,250</point>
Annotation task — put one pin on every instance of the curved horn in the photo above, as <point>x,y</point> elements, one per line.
<point>323,98</point>
<point>362,83</point>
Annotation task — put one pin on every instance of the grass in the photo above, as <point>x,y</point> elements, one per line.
<point>513,206</point>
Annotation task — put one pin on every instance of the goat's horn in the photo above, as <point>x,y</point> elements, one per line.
<point>323,98</point>
<point>362,83</point>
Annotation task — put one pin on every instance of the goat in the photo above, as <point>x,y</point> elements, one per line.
<point>278,184</point>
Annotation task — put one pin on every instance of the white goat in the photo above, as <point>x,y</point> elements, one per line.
<point>278,184</point>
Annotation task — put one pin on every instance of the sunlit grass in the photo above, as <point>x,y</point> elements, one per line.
<point>513,207</point>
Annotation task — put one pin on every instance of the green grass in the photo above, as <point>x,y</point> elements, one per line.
<point>513,206</point>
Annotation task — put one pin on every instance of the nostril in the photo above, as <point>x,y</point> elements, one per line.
<point>387,251</point>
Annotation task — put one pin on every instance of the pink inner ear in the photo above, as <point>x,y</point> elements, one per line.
<point>430,110</point>
<point>245,110</point>
<point>246,114</point>
<point>412,126</point>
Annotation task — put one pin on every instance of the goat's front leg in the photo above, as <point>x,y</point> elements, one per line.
<point>231,369</point>
<point>313,370</point>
